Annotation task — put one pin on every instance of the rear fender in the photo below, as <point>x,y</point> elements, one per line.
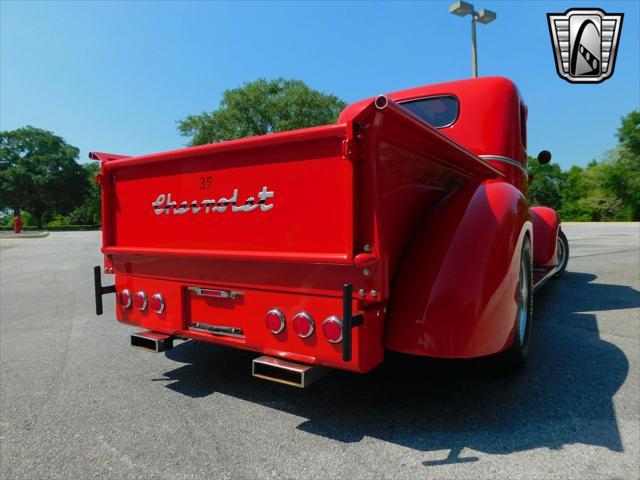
<point>455,294</point>
<point>546,224</point>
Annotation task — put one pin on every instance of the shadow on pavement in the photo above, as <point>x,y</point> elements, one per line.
<point>564,396</point>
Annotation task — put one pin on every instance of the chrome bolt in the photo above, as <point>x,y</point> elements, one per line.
<point>374,293</point>
<point>366,272</point>
<point>362,292</point>
<point>367,247</point>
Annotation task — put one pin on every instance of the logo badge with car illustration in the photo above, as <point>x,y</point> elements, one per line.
<point>585,43</point>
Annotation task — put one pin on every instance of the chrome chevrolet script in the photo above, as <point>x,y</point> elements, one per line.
<point>165,204</point>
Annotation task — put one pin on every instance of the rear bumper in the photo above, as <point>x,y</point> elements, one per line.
<point>239,321</point>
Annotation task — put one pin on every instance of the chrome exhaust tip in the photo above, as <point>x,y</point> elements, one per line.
<point>288,373</point>
<point>153,341</point>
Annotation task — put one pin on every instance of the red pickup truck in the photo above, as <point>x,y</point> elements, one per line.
<point>402,227</point>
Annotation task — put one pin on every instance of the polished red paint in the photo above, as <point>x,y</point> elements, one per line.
<point>454,294</point>
<point>426,230</point>
<point>546,224</point>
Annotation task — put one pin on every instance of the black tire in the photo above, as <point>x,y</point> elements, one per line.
<point>563,254</point>
<point>514,358</point>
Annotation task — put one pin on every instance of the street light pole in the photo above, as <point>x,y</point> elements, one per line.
<point>484,16</point>
<point>474,51</point>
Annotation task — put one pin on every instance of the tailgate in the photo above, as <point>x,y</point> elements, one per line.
<point>286,196</point>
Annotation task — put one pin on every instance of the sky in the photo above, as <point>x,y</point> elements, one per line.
<point>116,76</point>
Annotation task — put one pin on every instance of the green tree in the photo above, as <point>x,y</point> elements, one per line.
<point>629,133</point>
<point>261,107</point>
<point>574,190</point>
<point>587,196</point>
<point>601,191</point>
<point>623,166</point>
<point>39,173</point>
<point>89,212</point>
<point>547,185</point>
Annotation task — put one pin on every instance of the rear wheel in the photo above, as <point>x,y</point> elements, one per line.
<point>563,254</point>
<point>513,359</point>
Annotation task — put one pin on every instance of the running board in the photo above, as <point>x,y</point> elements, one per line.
<point>542,276</point>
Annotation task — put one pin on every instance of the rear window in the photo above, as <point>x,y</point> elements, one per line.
<point>436,111</point>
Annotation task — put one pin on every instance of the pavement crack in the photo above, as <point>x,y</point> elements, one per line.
<point>605,253</point>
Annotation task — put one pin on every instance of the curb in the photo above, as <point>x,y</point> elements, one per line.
<point>626,224</point>
<point>8,235</point>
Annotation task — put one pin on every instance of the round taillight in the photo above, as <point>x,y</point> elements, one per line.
<point>332,329</point>
<point>156,303</point>
<point>140,300</point>
<point>275,321</point>
<point>303,325</point>
<point>125,298</point>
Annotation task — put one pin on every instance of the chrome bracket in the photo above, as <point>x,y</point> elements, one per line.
<point>215,293</point>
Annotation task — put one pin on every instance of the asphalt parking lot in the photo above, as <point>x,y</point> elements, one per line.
<point>77,402</point>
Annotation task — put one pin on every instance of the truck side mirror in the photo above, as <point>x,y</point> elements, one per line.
<point>544,157</point>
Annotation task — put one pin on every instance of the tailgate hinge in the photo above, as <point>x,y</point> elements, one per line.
<point>348,149</point>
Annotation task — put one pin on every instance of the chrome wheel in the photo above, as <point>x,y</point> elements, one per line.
<point>562,254</point>
<point>513,358</point>
<point>523,301</point>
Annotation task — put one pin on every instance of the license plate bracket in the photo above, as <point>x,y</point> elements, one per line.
<point>216,311</point>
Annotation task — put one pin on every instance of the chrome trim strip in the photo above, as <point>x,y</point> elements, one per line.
<point>510,161</point>
<point>221,330</point>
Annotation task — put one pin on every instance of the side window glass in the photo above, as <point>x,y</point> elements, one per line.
<point>438,112</point>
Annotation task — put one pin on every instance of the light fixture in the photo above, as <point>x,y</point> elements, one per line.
<point>484,16</point>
